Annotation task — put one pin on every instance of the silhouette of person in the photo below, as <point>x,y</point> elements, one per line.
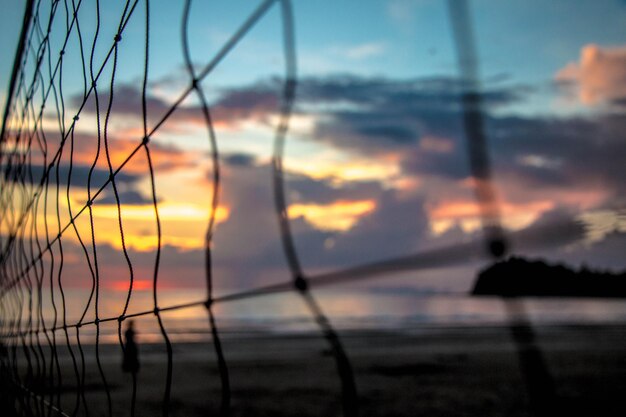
<point>131,352</point>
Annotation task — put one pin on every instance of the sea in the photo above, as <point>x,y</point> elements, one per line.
<point>396,309</point>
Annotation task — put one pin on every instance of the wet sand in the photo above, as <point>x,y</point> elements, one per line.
<point>470,371</point>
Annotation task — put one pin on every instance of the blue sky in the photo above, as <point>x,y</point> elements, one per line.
<point>526,41</point>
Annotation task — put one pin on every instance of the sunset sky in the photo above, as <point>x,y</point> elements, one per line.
<point>375,159</point>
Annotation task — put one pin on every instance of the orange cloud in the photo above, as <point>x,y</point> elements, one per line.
<point>121,144</point>
<point>167,211</point>
<point>341,169</point>
<point>339,216</point>
<point>163,158</point>
<point>182,224</point>
<point>600,74</point>
<point>467,214</point>
<point>460,209</point>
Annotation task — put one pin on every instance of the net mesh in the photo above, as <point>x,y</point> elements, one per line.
<point>40,177</point>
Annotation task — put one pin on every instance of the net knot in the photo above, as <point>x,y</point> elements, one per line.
<point>497,247</point>
<point>301,284</point>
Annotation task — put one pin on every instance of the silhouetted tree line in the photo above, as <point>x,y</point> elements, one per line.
<point>517,276</point>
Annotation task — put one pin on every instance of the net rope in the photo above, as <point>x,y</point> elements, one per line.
<point>27,262</point>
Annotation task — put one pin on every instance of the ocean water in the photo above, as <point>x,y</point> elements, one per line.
<point>346,309</point>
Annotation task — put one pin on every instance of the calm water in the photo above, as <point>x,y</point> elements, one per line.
<point>402,309</point>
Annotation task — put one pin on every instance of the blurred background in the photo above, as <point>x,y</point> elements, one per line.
<point>375,163</point>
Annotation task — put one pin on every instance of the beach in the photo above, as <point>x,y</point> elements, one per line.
<point>434,371</point>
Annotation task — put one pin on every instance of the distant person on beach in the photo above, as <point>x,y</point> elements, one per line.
<point>131,353</point>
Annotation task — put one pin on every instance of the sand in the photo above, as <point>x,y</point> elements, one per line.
<point>467,371</point>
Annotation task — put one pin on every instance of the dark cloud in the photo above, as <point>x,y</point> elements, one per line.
<point>367,133</point>
<point>126,100</point>
<point>248,250</point>
<point>129,196</point>
<point>381,110</point>
<point>303,189</point>
<point>78,175</point>
<point>453,165</point>
<point>619,102</point>
<point>374,116</point>
<point>84,148</point>
<point>572,153</point>
<point>606,253</point>
<point>555,229</point>
<point>240,159</point>
<point>396,134</point>
<point>428,92</point>
<point>248,243</point>
<point>396,227</point>
<point>559,235</point>
<point>378,117</point>
<point>234,105</point>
